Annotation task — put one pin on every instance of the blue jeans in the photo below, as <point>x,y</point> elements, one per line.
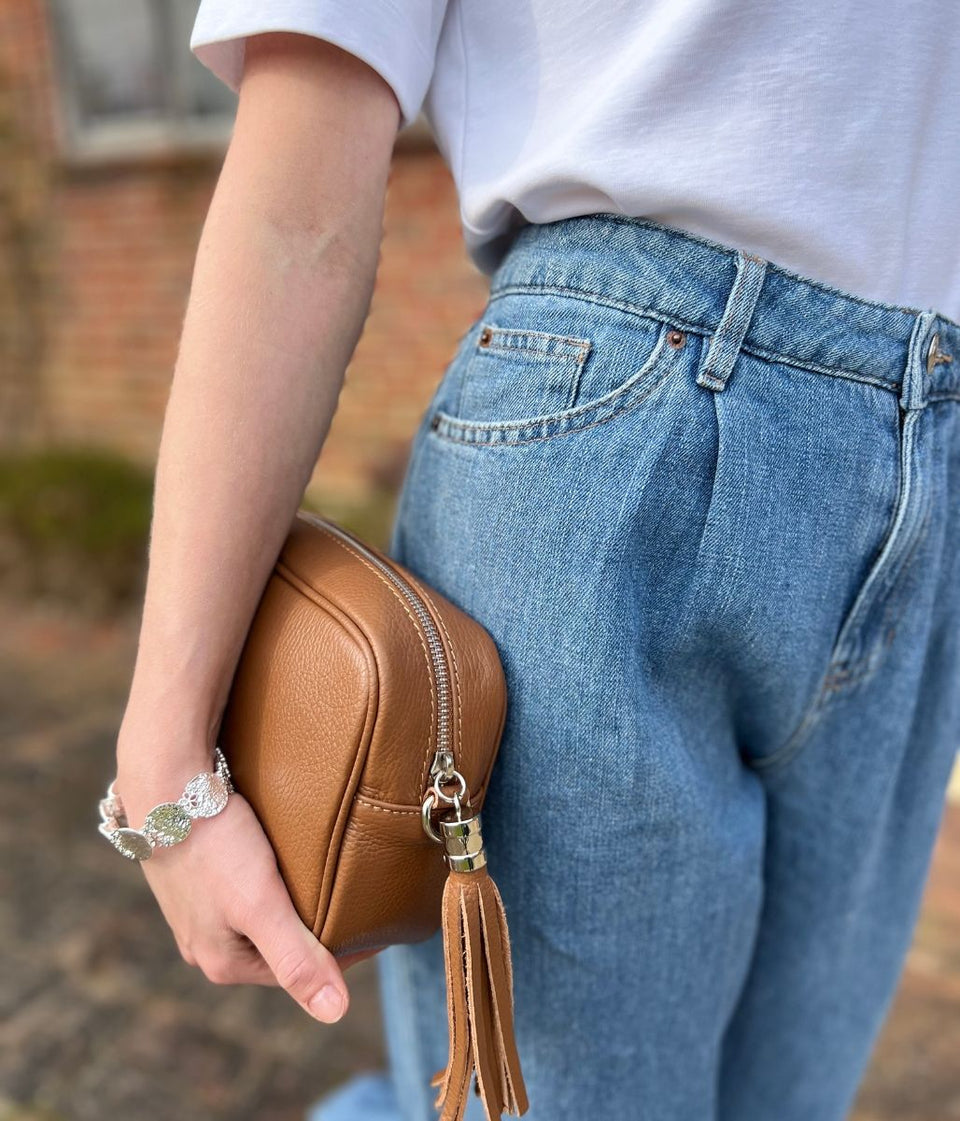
<point>709,510</point>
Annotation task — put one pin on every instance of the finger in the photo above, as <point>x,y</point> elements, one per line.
<point>232,960</point>
<point>300,963</point>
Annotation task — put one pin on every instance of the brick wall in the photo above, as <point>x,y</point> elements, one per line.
<point>97,271</point>
<point>26,203</point>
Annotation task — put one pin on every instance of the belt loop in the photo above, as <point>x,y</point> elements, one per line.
<point>913,389</point>
<point>732,328</point>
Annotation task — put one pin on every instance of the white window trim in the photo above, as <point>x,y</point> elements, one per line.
<point>105,142</point>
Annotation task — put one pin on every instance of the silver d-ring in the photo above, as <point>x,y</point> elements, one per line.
<point>428,803</point>
<point>446,797</point>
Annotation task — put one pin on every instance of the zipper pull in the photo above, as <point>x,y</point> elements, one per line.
<point>443,764</point>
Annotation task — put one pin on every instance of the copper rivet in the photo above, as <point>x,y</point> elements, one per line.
<point>676,339</point>
<point>435,421</point>
<point>485,336</point>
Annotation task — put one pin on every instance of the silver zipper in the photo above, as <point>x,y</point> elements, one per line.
<point>443,761</point>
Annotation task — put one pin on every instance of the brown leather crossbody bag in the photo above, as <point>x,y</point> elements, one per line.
<point>362,726</point>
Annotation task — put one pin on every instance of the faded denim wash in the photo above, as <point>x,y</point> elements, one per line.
<point>709,510</point>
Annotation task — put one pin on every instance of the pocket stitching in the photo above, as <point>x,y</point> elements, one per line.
<point>888,566</point>
<point>510,340</point>
<point>446,426</point>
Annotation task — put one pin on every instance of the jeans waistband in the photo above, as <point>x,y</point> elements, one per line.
<point>738,299</point>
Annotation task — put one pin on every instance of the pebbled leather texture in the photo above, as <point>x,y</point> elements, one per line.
<point>330,727</point>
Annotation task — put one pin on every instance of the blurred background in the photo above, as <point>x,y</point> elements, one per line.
<point>111,139</point>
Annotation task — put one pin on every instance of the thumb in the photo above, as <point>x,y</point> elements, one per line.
<point>302,965</point>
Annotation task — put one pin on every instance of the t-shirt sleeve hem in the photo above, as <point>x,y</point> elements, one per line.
<point>407,72</point>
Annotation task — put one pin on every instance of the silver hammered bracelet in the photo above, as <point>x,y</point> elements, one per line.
<point>205,795</point>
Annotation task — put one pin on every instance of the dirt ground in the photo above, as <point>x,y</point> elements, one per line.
<point>99,1016</point>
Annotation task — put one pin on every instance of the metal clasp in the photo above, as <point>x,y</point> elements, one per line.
<point>461,837</point>
<point>935,355</point>
<point>435,794</point>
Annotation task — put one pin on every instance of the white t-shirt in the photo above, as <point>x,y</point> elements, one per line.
<point>823,136</point>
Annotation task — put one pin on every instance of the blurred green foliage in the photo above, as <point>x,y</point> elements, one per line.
<point>10,1111</point>
<point>74,526</point>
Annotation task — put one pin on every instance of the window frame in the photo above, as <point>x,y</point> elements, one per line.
<point>173,134</point>
<point>173,131</point>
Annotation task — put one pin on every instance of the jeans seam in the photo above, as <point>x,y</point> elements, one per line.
<point>894,556</point>
<point>794,743</point>
<point>690,325</point>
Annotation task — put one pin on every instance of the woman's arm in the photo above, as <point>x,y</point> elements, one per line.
<point>281,287</point>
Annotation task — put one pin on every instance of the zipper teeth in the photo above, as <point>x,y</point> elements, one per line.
<point>434,643</point>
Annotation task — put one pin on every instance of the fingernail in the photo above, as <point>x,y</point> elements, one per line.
<point>328,1004</point>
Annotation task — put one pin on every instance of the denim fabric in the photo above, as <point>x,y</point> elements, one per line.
<point>709,510</point>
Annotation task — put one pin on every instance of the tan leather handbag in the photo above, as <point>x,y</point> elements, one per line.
<point>362,725</point>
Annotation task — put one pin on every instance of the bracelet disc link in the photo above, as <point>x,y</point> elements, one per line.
<point>131,843</point>
<point>168,824</point>
<point>205,795</point>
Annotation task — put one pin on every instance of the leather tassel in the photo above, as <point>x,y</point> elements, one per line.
<point>476,947</point>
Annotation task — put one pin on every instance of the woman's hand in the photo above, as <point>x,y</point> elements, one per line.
<point>222,895</point>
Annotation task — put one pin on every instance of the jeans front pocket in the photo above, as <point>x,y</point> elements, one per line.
<point>534,367</point>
